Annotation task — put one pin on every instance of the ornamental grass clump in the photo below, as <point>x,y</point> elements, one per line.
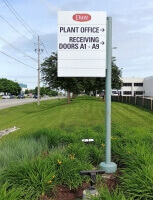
<point>55,137</point>
<point>80,151</point>
<point>105,194</point>
<point>21,150</point>
<point>137,182</point>
<point>68,172</point>
<point>13,193</point>
<point>137,177</point>
<point>36,177</point>
<point>96,154</point>
<point>133,155</point>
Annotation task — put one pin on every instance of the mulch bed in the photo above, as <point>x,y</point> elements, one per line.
<point>62,192</point>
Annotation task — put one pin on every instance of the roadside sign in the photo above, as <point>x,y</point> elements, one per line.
<point>81,44</point>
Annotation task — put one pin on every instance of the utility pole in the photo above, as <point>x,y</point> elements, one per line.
<point>38,51</point>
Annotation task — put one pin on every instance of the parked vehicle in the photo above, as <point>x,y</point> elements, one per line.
<point>12,96</point>
<point>5,97</point>
<point>36,96</point>
<point>21,96</point>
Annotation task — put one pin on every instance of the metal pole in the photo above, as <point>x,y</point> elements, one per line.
<point>108,166</point>
<point>38,72</point>
<point>108,90</point>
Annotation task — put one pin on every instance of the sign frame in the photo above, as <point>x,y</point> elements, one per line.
<point>81,44</point>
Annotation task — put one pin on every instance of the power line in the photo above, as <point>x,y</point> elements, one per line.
<point>45,48</point>
<point>23,22</point>
<point>16,29</point>
<point>19,18</point>
<point>17,49</point>
<point>17,60</point>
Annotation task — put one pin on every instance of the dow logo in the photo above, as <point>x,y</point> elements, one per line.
<point>82,17</point>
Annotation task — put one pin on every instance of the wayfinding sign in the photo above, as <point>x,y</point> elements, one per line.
<point>81,44</point>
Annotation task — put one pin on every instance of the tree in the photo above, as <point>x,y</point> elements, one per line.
<point>94,85</point>
<point>8,86</point>
<point>116,75</point>
<point>49,76</point>
<point>75,85</point>
<point>46,91</point>
<point>26,91</point>
<point>97,85</point>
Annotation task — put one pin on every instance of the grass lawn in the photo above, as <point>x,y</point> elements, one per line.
<point>81,113</point>
<point>51,115</point>
<point>47,150</point>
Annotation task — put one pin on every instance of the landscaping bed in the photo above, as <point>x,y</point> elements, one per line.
<point>44,164</point>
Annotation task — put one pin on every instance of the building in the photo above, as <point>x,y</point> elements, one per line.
<point>132,87</point>
<point>23,87</point>
<point>148,86</point>
<point>137,87</point>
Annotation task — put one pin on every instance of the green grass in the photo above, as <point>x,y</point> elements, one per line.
<point>50,135</point>
<point>52,115</point>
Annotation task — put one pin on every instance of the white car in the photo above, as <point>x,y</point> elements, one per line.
<point>5,97</point>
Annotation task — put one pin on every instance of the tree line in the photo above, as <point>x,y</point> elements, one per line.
<point>76,85</point>
<point>11,87</point>
<point>71,85</point>
<point>8,86</point>
<point>43,91</point>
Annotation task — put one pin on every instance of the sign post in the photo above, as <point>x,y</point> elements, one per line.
<point>108,166</point>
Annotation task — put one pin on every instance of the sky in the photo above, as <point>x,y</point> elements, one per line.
<point>132,34</point>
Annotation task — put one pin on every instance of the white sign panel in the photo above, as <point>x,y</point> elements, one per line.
<point>81,44</point>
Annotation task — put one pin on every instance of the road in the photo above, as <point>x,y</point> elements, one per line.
<point>6,103</point>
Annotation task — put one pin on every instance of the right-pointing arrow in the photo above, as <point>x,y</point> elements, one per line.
<point>102,29</point>
<point>102,43</point>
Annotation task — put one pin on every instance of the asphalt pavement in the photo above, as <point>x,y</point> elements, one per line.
<point>7,103</point>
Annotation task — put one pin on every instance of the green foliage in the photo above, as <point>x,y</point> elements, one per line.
<point>136,161</point>
<point>76,85</point>
<point>8,86</point>
<point>116,75</point>
<point>36,176</point>
<point>27,91</point>
<point>46,91</point>
<point>57,147</point>
<point>105,194</point>
<point>21,150</point>
<point>68,170</point>
<point>13,193</point>
<point>49,76</point>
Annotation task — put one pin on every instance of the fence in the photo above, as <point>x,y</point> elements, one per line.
<point>139,101</point>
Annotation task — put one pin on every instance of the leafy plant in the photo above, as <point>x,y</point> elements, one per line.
<point>36,177</point>
<point>105,194</point>
<point>68,172</point>
<point>21,150</point>
<point>13,193</point>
